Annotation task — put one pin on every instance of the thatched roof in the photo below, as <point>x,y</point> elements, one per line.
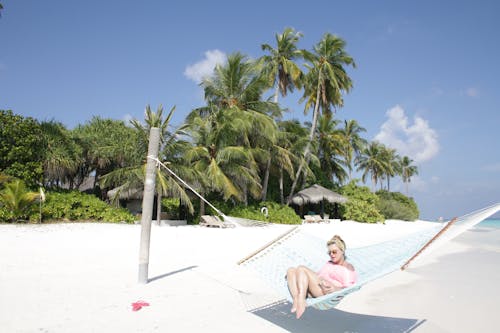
<point>315,194</point>
<point>125,194</point>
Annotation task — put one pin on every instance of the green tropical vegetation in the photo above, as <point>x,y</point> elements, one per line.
<point>395,205</point>
<point>236,149</point>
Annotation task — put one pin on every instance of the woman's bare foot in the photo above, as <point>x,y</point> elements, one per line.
<point>300,308</point>
<point>294,305</point>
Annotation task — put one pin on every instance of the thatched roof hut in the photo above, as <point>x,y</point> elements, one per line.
<point>315,194</point>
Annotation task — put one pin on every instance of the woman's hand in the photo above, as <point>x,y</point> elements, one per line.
<point>326,286</point>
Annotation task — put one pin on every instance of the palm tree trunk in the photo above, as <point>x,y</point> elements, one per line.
<point>202,207</point>
<point>266,178</point>
<point>308,146</point>
<point>282,194</point>
<point>268,166</point>
<point>245,196</point>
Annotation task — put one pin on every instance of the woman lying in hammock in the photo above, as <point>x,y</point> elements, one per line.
<point>336,274</point>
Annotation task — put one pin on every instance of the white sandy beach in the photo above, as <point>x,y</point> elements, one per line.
<point>82,277</point>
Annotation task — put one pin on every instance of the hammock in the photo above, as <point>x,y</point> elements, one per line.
<point>297,247</point>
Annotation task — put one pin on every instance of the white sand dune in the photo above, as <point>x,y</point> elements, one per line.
<point>82,277</point>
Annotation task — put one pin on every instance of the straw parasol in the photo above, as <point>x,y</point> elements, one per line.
<point>128,194</point>
<point>315,194</point>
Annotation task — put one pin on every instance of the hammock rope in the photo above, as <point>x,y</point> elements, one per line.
<point>297,247</point>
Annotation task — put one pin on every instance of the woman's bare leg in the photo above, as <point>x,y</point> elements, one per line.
<point>291,277</point>
<point>307,282</point>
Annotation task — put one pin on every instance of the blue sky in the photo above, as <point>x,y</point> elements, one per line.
<point>426,80</point>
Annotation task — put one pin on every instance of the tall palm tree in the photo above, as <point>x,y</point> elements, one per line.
<point>352,143</point>
<point>238,83</point>
<point>283,74</point>
<point>131,176</point>
<point>325,83</point>
<point>407,171</point>
<point>238,118</point>
<point>371,161</point>
<point>279,66</point>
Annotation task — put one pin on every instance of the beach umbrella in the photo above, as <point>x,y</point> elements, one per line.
<point>315,194</point>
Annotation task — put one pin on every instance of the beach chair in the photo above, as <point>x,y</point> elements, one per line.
<point>312,218</point>
<point>212,221</point>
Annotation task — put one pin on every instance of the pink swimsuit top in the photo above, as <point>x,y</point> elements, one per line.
<point>338,275</point>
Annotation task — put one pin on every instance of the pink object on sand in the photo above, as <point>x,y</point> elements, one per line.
<point>136,306</point>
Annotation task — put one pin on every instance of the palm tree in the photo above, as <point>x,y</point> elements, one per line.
<point>131,176</point>
<point>238,119</point>
<point>352,142</point>
<point>325,83</point>
<point>283,74</point>
<point>63,155</point>
<point>407,171</point>
<point>294,138</point>
<point>371,161</point>
<point>239,83</point>
<point>222,167</point>
<point>107,145</point>
<point>279,66</point>
<point>17,199</point>
<point>330,148</point>
<point>391,161</point>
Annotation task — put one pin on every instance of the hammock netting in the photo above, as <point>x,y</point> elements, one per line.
<point>371,262</point>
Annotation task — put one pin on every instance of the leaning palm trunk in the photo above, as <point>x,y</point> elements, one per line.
<point>308,146</point>
<point>265,183</point>
<point>266,178</point>
<point>282,194</point>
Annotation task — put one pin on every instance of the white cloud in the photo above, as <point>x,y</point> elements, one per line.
<point>417,141</point>
<point>472,92</point>
<point>205,67</point>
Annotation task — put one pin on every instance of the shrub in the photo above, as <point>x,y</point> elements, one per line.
<point>361,205</point>
<point>395,205</point>
<point>77,206</point>
<point>277,213</point>
<point>170,206</point>
<point>18,203</point>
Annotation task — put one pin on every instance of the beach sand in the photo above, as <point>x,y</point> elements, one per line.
<point>82,277</point>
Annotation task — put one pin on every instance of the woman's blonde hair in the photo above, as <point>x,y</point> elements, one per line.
<point>337,240</point>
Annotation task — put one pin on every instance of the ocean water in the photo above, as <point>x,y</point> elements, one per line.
<point>490,223</point>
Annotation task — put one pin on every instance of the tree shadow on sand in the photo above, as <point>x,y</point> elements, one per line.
<point>333,321</point>
<point>171,273</point>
